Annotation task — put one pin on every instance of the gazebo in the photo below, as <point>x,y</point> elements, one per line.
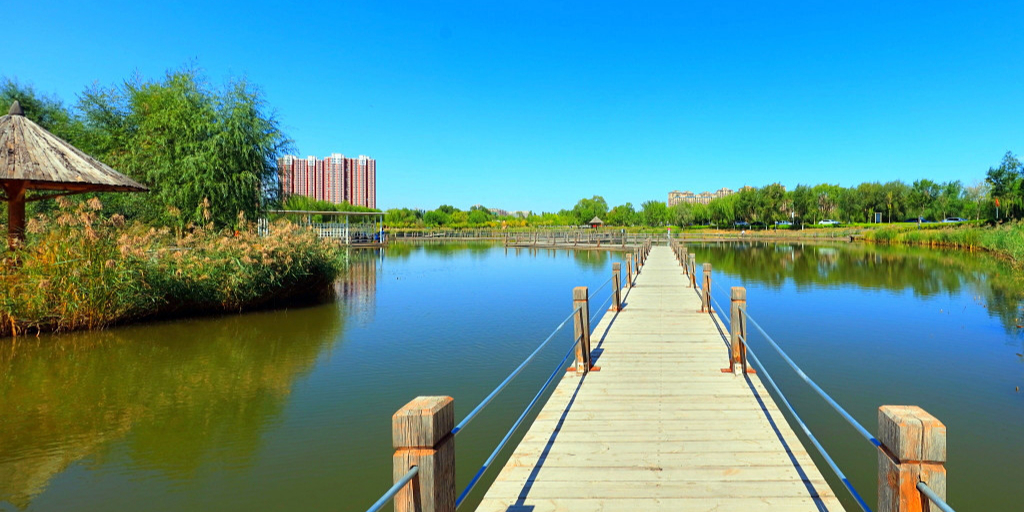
<point>596,222</point>
<point>32,158</point>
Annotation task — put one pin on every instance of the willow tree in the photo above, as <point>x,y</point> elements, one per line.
<point>208,152</point>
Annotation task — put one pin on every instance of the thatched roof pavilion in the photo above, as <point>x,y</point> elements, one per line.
<point>32,158</point>
<point>596,222</point>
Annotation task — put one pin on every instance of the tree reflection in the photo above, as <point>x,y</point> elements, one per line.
<point>926,272</point>
<point>179,395</point>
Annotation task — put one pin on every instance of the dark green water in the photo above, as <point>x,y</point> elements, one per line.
<point>291,409</point>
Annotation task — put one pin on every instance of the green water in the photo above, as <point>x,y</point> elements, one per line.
<point>291,409</point>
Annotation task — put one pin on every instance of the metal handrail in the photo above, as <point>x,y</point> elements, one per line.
<point>601,309</point>
<point>472,414</point>
<point>803,426</point>
<point>599,288</point>
<point>939,502</point>
<point>388,496</point>
<point>519,421</point>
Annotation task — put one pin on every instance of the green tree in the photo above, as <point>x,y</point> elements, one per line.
<point>654,213</point>
<point>623,215</point>
<point>1005,183</point>
<point>771,204</point>
<point>437,218</point>
<point>46,111</point>
<point>587,209</point>
<point>681,214</point>
<point>191,143</point>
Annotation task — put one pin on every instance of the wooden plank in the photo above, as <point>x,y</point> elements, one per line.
<point>660,427</point>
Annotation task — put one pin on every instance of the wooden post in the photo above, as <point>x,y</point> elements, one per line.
<point>705,290</point>
<point>15,192</point>
<point>913,450</point>
<point>693,270</point>
<point>421,434</point>
<point>629,271</point>
<point>617,286</point>
<point>738,333</point>
<point>581,328</point>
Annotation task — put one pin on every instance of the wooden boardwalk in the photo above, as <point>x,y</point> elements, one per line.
<point>659,427</point>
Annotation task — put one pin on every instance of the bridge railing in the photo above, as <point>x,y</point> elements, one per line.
<point>911,443</point>
<point>424,430</point>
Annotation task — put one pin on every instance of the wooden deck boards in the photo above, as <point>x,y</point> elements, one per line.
<point>659,427</point>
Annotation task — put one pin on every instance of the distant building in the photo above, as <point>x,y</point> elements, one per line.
<point>675,197</point>
<point>335,179</point>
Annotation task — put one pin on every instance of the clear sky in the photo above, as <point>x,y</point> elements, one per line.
<point>533,105</point>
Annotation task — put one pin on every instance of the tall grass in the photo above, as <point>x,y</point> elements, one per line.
<point>79,271</point>
<point>1006,239</point>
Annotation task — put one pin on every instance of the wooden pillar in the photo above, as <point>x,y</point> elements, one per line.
<point>693,270</point>
<point>629,271</point>
<point>705,290</point>
<point>617,286</point>
<point>913,450</point>
<point>581,328</point>
<point>738,332</point>
<point>15,192</point>
<point>421,434</point>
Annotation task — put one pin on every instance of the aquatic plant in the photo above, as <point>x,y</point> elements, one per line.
<point>81,271</point>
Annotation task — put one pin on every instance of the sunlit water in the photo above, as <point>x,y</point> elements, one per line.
<point>291,409</point>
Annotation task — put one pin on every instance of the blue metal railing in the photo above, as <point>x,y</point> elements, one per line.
<point>939,502</point>
<point>388,496</point>
<point>472,414</point>
<point>921,486</point>
<point>487,463</point>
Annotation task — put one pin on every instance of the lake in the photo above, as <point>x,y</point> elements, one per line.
<point>290,409</point>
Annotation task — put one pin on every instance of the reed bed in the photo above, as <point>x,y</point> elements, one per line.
<point>79,270</point>
<point>1006,239</point>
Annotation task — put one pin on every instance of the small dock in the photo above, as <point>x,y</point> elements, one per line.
<point>660,426</point>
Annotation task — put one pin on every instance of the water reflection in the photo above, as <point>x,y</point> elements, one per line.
<point>171,397</point>
<point>926,272</point>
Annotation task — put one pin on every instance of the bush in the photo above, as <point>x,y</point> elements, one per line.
<point>78,271</point>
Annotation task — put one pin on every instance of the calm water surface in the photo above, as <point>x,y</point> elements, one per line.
<point>289,409</point>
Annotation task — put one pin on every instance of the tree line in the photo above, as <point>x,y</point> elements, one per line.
<point>999,197</point>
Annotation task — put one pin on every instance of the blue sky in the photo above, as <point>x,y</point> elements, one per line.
<point>533,105</point>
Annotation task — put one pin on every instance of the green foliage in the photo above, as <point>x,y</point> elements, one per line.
<point>654,213</point>
<point>81,271</point>
<point>622,215</point>
<point>47,111</point>
<point>587,209</point>
<point>1006,239</point>
<point>206,152</point>
<point>190,142</point>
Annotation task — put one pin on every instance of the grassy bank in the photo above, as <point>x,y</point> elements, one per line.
<point>78,271</point>
<point>1006,240</point>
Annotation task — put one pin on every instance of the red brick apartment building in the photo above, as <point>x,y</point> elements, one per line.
<point>335,178</point>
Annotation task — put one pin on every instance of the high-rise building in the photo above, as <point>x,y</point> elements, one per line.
<point>335,179</point>
<point>675,197</point>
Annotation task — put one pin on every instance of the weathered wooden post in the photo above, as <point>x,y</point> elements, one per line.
<point>738,333</point>
<point>705,290</point>
<point>629,271</point>
<point>581,328</point>
<point>693,270</point>
<point>913,450</point>
<point>421,434</point>
<point>617,286</point>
